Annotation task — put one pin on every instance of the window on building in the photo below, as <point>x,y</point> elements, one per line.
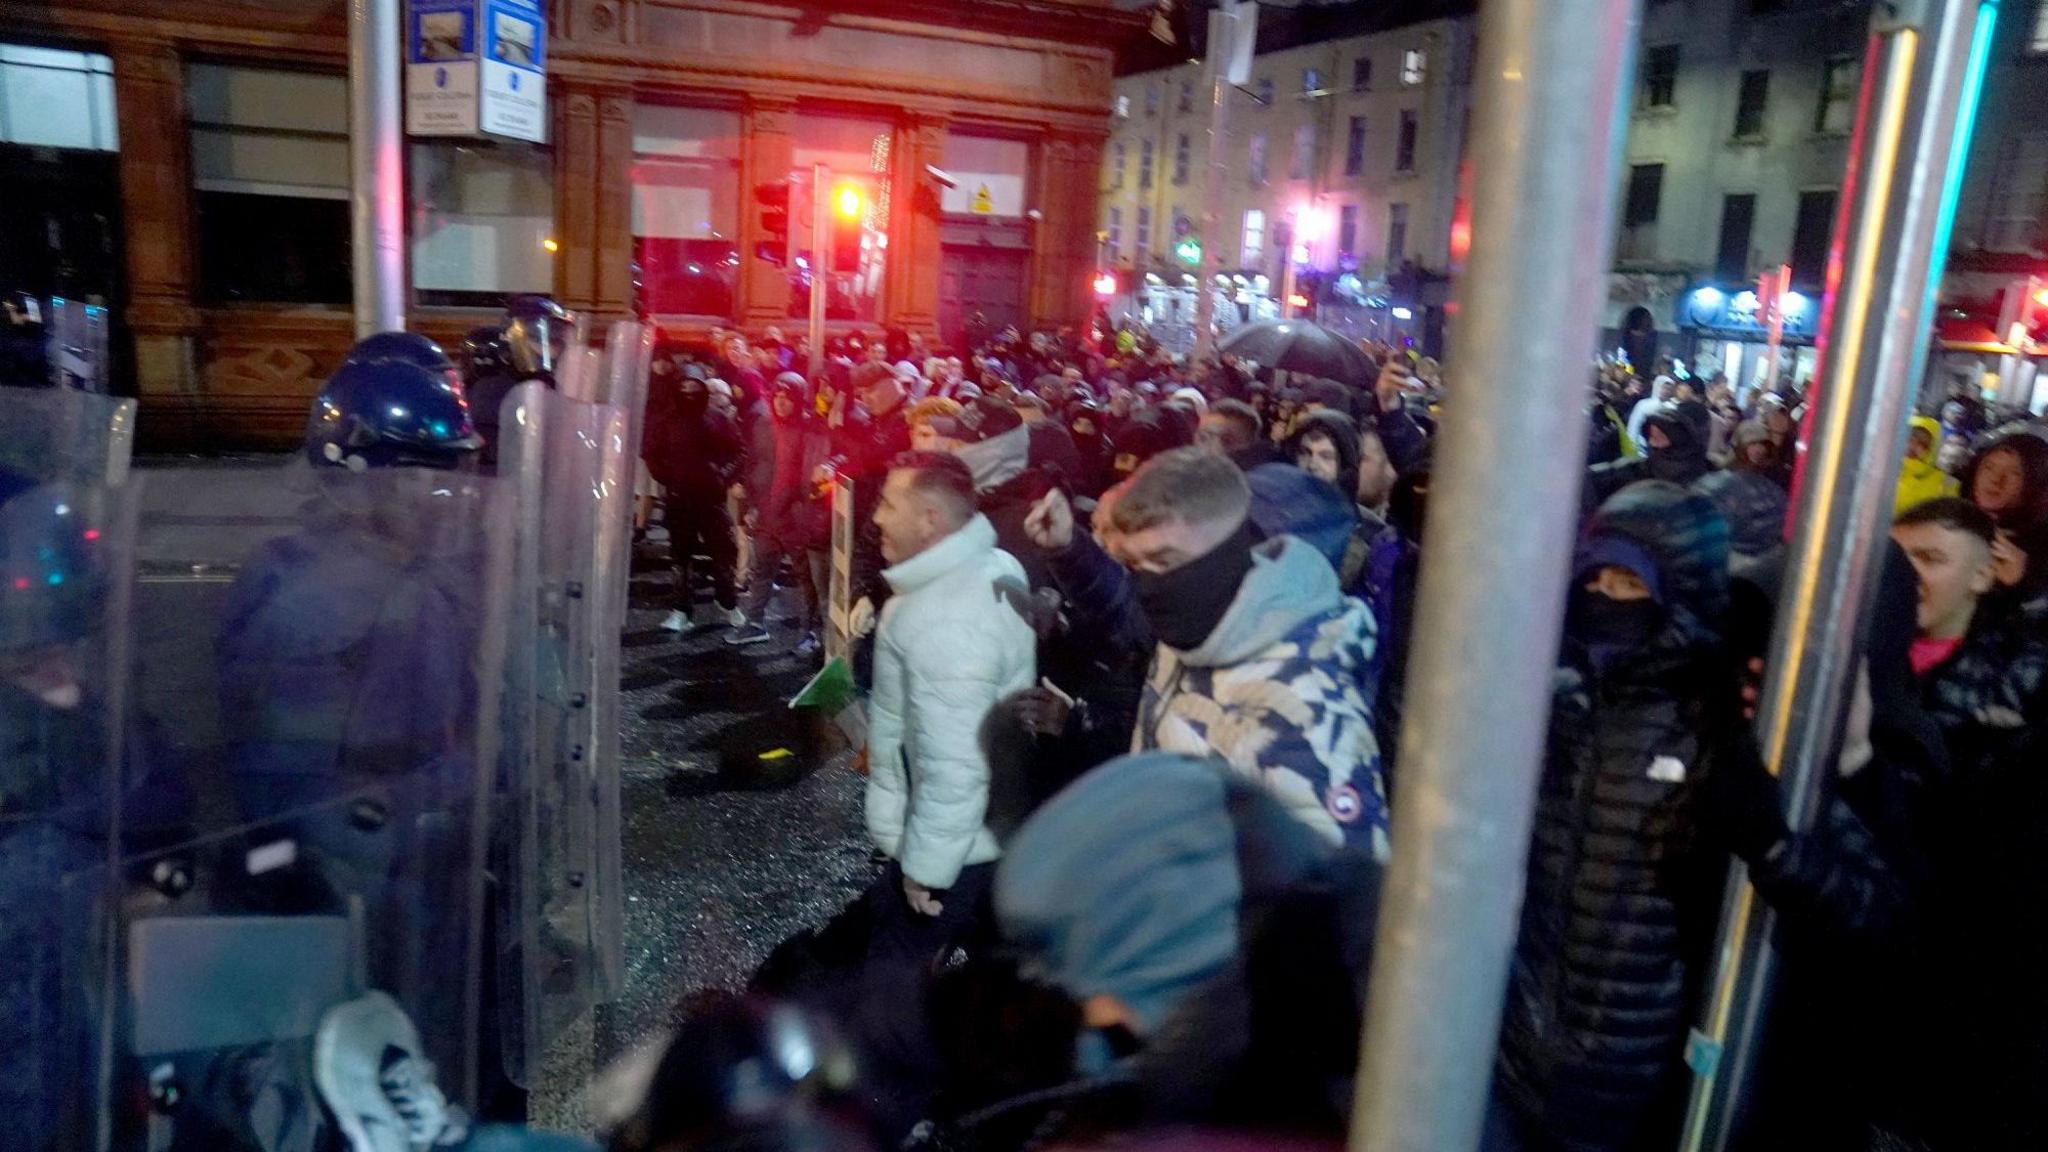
<point>1638,240</point>
<point>1254,237</point>
<point>2016,218</point>
<point>1397,235</point>
<point>1255,156</point>
<point>1811,230</point>
<point>1181,152</point>
<point>1414,67</point>
<point>1645,188</point>
<point>1361,74</point>
<point>1311,81</point>
<point>1151,99</point>
<point>2037,41</point>
<point>1115,239</point>
<point>1404,142</point>
<point>1750,100</point>
<point>50,98</point>
<point>1354,146</point>
<point>1304,152</point>
<point>481,216</point>
<point>1264,89</point>
<point>1117,156</point>
<point>270,174</point>
<point>1123,107</point>
<point>1738,217</point>
<point>857,151</point>
<point>1144,165</point>
<point>1660,77</point>
<point>1144,246</point>
<point>686,209</point>
<point>1347,235</point>
<point>1183,226</point>
<point>1839,78</point>
<point>1186,101</point>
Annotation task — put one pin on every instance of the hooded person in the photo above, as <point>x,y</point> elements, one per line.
<point>789,522</point>
<point>995,444</point>
<point>1920,476</point>
<point>1624,887</point>
<point>1146,434</point>
<point>1674,450</point>
<point>693,451</point>
<point>1213,952</point>
<point>1262,661</point>
<point>2008,479</point>
<point>1754,507</point>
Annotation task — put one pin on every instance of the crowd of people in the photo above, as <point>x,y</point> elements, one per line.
<point>1136,678</point>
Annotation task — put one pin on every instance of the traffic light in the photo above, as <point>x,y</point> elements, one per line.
<point>849,220</point>
<point>773,197</point>
<point>2023,314</point>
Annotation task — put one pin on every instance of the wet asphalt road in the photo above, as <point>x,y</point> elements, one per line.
<point>719,868</point>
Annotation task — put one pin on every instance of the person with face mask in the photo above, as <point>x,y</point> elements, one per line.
<point>1674,441</point>
<point>693,452</point>
<point>1623,885</point>
<point>1262,660</point>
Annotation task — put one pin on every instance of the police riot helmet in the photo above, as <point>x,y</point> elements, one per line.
<point>486,353</point>
<point>537,331</point>
<point>396,400</point>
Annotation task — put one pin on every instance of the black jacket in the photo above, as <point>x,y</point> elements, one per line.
<point>1624,884</point>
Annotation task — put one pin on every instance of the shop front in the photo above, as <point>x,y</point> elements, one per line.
<point>1723,330</point>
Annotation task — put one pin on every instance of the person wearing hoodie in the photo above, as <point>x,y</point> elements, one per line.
<point>1197,957</point>
<point>2008,479</point>
<point>1754,507</point>
<point>995,443</point>
<point>1623,886</point>
<point>1262,661</point>
<point>693,452</point>
<point>1674,439</point>
<point>1920,476</point>
<point>789,523</point>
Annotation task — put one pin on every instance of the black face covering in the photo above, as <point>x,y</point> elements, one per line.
<point>1610,627</point>
<point>1185,605</point>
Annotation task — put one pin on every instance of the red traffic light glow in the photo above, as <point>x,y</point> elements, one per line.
<point>848,201</point>
<point>1105,284</point>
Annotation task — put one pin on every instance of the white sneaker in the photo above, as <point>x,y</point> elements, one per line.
<point>371,1070</point>
<point>676,621</point>
<point>736,618</point>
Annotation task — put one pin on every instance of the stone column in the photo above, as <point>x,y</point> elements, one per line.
<point>577,158</point>
<point>767,153</point>
<point>1066,170</point>
<point>914,252</point>
<point>157,211</point>
<point>613,291</point>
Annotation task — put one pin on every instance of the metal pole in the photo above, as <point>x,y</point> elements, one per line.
<point>1552,77</point>
<point>376,152</point>
<point>1922,72</point>
<point>821,265</point>
<point>1222,31</point>
<point>1287,271</point>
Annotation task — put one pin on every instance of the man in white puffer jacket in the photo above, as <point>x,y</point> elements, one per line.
<point>951,642</point>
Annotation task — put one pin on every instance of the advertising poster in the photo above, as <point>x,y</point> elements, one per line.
<point>441,68</point>
<point>514,96</point>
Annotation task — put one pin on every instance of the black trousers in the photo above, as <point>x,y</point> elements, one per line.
<point>702,526</point>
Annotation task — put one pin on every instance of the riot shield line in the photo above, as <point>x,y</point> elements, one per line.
<point>65,433</point>
<point>63,551</point>
<point>555,842</point>
<point>287,912</point>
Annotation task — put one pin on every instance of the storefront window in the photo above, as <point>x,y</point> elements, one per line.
<point>482,221</point>
<point>686,209</point>
<point>856,154</point>
<point>51,98</point>
<point>270,173</point>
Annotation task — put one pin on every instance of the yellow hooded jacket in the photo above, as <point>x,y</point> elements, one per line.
<point>1919,479</point>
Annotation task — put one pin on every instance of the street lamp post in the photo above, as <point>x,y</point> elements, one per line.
<point>376,150</point>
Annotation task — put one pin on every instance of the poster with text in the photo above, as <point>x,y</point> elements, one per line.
<point>441,68</point>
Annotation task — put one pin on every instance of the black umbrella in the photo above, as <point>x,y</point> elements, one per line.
<point>1301,346</point>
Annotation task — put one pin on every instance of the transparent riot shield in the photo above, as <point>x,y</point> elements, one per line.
<point>556,832</point>
<point>63,553</point>
<point>85,437</point>
<point>286,935</point>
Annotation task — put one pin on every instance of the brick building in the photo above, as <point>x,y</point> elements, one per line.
<point>187,162</point>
